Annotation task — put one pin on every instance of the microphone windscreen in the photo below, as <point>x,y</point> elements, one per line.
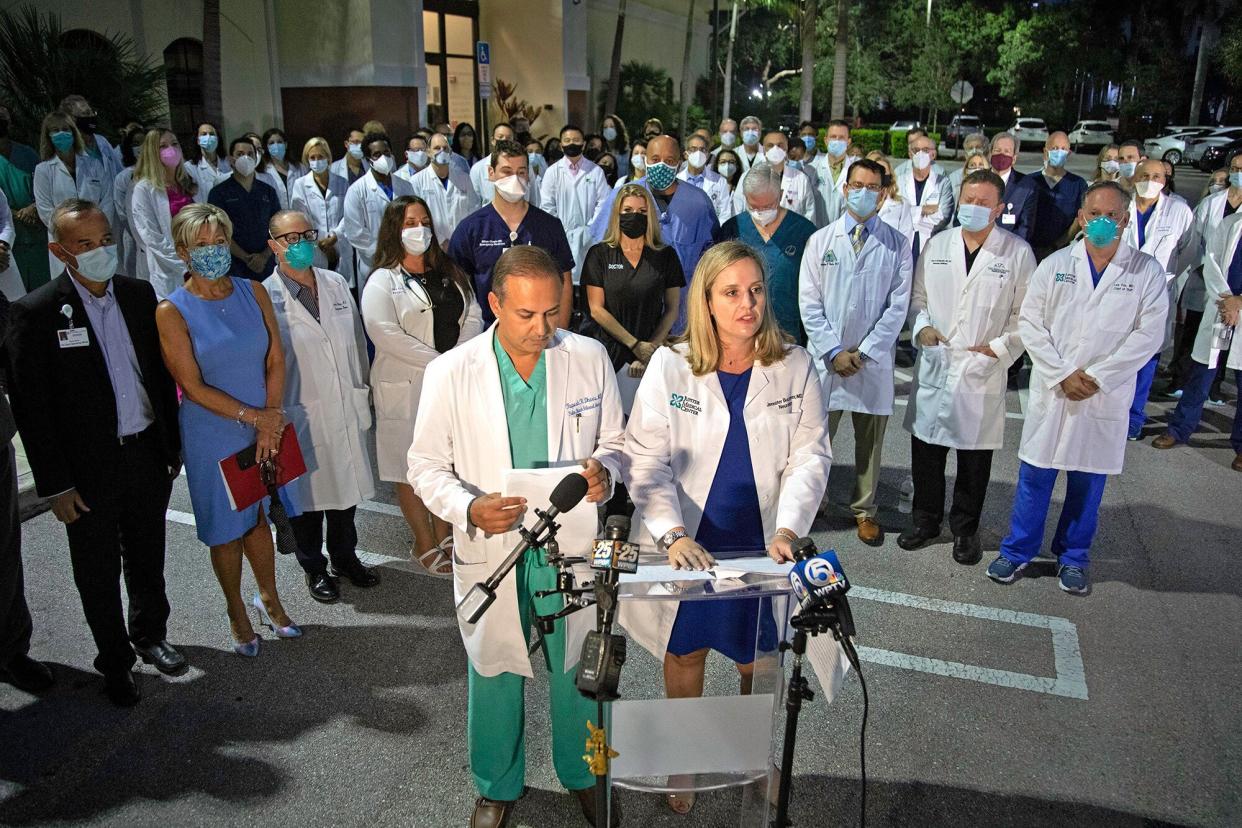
<point>569,492</point>
<point>617,527</point>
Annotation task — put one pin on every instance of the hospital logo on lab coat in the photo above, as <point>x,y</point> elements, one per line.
<point>1068,278</point>
<point>687,404</point>
<point>830,258</point>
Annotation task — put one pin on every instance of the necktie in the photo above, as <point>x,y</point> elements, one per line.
<point>856,237</point>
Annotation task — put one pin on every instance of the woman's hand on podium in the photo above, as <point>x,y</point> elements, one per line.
<point>687,554</point>
<point>781,547</point>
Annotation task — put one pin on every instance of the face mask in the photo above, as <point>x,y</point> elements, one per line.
<point>416,240</point>
<point>98,265</point>
<point>211,261</point>
<point>276,151</point>
<point>417,158</point>
<point>862,202</point>
<point>208,143</point>
<point>660,175</point>
<point>1216,188</point>
<point>1127,168</point>
<point>634,225</point>
<point>638,162</point>
<point>837,147</point>
<point>62,140</point>
<point>999,162</point>
<point>775,155</point>
<point>1110,167</point>
<point>727,169</point>
<point>443,157</point>
<point>1100,231</point>
<point>763,217</point>
<point>808,141</point>
<point>1149,189</point>
<point>170,156</point>
<point>1235,179</point>
<point>728,138</point>
<point>610,134</point>
<point>244,165</point>
<point>300,254</point>
<point>698,159</point>
<point>974,217</point>
<point>534,160</point>
<point>355,150</point>
<point>572,150</point>
<point>318,165</point>
<point>921,160</point>
<point>382,165</point>
<point>512,188</point>
<point>750,137</point>
<point>794,165</point>
<point>1056,157</point>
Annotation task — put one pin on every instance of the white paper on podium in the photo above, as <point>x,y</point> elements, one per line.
<point>731,568</point>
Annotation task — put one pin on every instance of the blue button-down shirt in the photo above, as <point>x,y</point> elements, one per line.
<point>133,406</point>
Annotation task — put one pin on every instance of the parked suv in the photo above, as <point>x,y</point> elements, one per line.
<point>1090,134</point>
<point>960,127</point>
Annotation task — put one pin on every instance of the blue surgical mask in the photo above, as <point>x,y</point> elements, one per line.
<point>808,141</point>
<point>1100,231</point>
<point>1128,168</point>
<point>660,175</point>
<point>534,159</point>
<point>610,134</point>
<point>318,165</point>
<point>1235,179</point>
<point>837,147</point>
<point>276,151</point>
<point>974,217</point>
<point>750,137</point>
<point>211,261</point>
<point>209,142</point>
<point>355,150</point>
<point>62,140</point>
<point>1056,157</point>
<point>862,202</point>
<point>794,165</point>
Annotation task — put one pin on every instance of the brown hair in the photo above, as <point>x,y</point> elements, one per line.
<point>390,252</point>
<point>523,260</point>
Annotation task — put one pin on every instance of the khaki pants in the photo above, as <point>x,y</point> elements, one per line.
<point>868,442</point>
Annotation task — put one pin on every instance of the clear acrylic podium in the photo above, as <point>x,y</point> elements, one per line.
<point>723,740</point>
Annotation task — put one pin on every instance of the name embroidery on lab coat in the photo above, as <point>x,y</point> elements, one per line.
<point>999,269</point>
<point>687,404</point>
<point>1068,278</point>
<point>583,404</point>
<point>1122,287</point>
<point>340,305</point>
<point>785,404</point>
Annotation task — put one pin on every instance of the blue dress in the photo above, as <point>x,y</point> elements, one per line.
<point>230,344</point>
<point>732,526</point>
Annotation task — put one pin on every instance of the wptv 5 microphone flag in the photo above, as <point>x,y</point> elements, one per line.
<point>817,578</point>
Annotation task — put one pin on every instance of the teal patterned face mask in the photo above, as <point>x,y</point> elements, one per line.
<point>660,175</point>
<point>212,261</point>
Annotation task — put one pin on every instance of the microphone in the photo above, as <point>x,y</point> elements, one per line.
<point>613,553</point>
<point>819,584</point>
<point>567,494</point>
<point>603,651</point>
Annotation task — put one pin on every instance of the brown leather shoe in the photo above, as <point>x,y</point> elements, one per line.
<point>1164,441</point>
<point>869,532</point>
<point>586,800</point>
<point>1237,463</point>
<point>489,813</point>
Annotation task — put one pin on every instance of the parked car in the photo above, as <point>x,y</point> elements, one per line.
<point>1090,134</point>
<point>905,126</point>
<point>960,127</point>
<point>1030,131</point>
<point>1216,156</point>
<point>1195,147</point>
<point>1172,147</point>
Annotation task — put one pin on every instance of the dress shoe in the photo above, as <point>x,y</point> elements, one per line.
<point>967,550</point>
<point>323,588</point>
<point>1164,441</point>
<point>121,688</point>
<point>586,800</point>
<point>916,537</point>
<point>869,532</point>
<point>164,656</point>
<point>1237,463</point>
<point>28,675</point>
<point>358,575</point>
<point>291,630</point>
<point>490,813</point>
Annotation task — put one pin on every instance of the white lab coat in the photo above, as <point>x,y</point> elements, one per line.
<point>109,155</point>
<point>272,177</point>
<point>829,201</point>
<point>1216,281</point>
<point>717,190</point>
<point>855,302</point>
<point>151,225</point>
<point>745,160</point>
<point>463,452</point>
<point>574,199</point>
<point>341,167</point>
<point>898,215</point>
<point>365,203</point>
<point>937,190</point>
<point>326,394</point>
<point>672,453</point>
<point>1109,331</point>
<point>53,184</point>
<point>449,205</point>
<point>126,247</point>
<point>958,396</point>
<point>206,174</point>
<point>326,212</point>
<point>796,194</point>
<point>1169,239</point>
<point>1209,213</point>
<point>399,319</point>
<point>407,172</point>
<point>11,283</point>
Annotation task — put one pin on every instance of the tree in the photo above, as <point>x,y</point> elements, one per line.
<point>840,64</point>
<point>728,68</point>
<point>213,97</point>
<point>614,70</point>
<point>645,92</point>
<point>685,68</point>
<point>806,25</point>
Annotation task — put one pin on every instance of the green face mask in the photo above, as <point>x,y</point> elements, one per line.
<point>300,254</point>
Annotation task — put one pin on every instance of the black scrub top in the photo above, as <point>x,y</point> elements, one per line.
<point>633,295</point>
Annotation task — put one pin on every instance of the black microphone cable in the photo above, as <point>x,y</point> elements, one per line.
<point>852,655</point>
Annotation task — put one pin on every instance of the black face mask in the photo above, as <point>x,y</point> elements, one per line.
<point>4,129</point>
<point>572,150</point>
<point>88,126</point>
<point>634,225</point>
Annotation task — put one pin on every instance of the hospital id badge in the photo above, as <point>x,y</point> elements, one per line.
<point>1009,218</point>
<point>74,338</point>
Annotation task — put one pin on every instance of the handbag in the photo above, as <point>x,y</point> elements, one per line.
<point>248,482</point>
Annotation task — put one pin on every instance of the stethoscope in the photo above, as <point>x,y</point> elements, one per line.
<point>409,279</point>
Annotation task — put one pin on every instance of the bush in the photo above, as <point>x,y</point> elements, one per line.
<point>869,140</point>
<point>895,142</point>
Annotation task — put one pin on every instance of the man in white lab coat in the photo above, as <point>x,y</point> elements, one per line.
<point>478,173</point>
<point>854,288</point>
<point>832,167</point>
<point>797,193</point>
<point>366,200</point>
<point>572,191</point>
<point>709,181</point>
<point>1093,314</point>
<point>353,164</point>
<point>968,289</point>
<point>446,189</point>
<point>927,191</point>
<point>558,395</point>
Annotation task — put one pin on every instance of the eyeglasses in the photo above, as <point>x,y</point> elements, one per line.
<point>294,238</point>
<point>856,187</point>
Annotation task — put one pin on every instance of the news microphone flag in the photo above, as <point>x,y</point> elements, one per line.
<point>818,578</point>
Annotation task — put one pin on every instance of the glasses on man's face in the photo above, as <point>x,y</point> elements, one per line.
<point>294,238</point>
<point>858,186</point>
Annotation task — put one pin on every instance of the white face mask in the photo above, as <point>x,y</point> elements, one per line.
<point>763,217</point>
<point>443,156</point>
<point>698,159</point>
<point>775,155</point>
<point>1149,189</point>
<point>727,169</point>
<point>416,240</point>
<point>244,165</point>
<point>318,165</point>
<point>921,160</point>
<point>98,265</point>
<point>638,161</point>
<point>512,188</point>
<point>382,165</point>
<point>417,157</point>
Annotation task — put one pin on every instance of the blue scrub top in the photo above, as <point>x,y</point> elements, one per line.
<point>782,261</point>
<point>1058,207</point>
<point>250,213</point>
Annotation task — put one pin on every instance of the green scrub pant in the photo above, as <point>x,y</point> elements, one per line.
<point>496,715</point>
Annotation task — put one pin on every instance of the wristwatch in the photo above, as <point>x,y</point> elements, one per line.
<point>670,537</point>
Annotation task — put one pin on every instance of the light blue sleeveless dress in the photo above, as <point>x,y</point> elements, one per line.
<point>230,345</point>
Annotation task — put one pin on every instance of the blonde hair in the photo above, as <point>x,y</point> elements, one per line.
<point>58,121</point>
<point>704,355</point>
<point>612,236</point>
<point>1100,158</point>
<point>315,143</point>
<point>192,218</point>
<point>880,158</point>
<point>151,169</point>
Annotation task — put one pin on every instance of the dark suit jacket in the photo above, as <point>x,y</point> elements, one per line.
<point>63,398</point>
<point>8,427</point>
<point>1020,192</point>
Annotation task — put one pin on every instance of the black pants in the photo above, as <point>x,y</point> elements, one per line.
<point>342,539</point>
<point>123,533</point>
<point>974,469</point>
<point>15,626</point>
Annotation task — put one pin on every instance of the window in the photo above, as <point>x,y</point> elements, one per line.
<point>450,30</point>
<point>183,73</point>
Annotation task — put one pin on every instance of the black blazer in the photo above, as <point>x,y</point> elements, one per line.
<point>63,398</point>
<point>1020,192</point>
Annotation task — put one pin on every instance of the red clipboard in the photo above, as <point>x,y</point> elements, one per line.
<point>241,473</point>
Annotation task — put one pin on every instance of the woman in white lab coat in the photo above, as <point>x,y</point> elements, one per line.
<point>574,198</point>
<point>896,212</point>
<point>211,164</point>
<point>162,186</point>
<point>416,305</point>
<point>320,194</point>
<point>276,163</point>
<point>67,171</point>
<point>727,454</point>
<point>11,284</point>
<point>122,187</point>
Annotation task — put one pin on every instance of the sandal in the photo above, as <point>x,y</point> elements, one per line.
<point>435,562</point>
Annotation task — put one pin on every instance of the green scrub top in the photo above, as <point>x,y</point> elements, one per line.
<point>526,410</point>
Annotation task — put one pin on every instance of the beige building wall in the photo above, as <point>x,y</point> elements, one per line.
<point>526,41</point>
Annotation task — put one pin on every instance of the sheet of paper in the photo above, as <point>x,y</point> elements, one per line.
<point>578,526</point>
<point>759,565</point>
<point>664,572</point>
